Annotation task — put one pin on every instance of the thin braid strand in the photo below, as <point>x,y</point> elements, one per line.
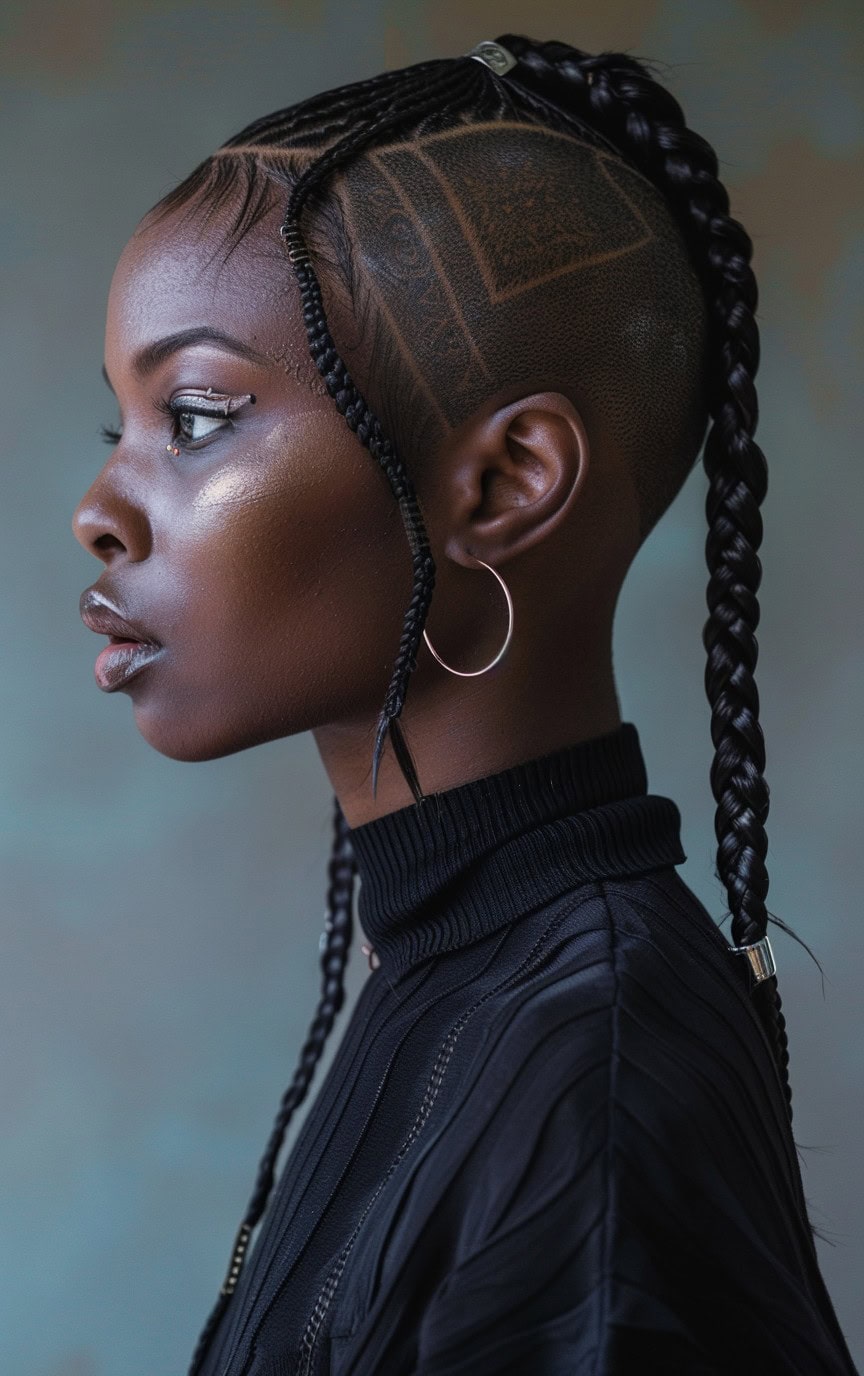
<point>342,869</point>
<point>458,84</point>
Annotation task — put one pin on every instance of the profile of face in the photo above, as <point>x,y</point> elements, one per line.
<point>257,576</point>
<point>244,530</point>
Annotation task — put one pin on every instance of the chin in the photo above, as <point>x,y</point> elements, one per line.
<point>181,737</point>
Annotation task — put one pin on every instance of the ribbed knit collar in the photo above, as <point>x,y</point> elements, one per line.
<point>462,863</point>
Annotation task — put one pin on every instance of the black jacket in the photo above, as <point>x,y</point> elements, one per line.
<point>552,1140</point>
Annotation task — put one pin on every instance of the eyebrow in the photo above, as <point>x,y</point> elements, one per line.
<point>152,355</point>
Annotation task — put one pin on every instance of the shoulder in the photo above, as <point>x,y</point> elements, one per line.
<point>626,961</point>
<point>631,1048</point>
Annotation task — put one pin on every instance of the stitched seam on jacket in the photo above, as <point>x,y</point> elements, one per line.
<point>312,1328</point>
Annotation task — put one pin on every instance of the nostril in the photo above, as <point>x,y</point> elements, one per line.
<point>106,542</point>
<point>111,528</point>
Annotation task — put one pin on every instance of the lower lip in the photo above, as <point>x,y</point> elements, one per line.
<point>118,663</point>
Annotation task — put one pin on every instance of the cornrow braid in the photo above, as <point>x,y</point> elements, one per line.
<point>335,947</point>
<point>328,113</point>
<point>647,124</point>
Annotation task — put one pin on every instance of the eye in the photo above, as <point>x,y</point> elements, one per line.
<point>196,425</point>
<point>189,428</point>
<point>197,418</point>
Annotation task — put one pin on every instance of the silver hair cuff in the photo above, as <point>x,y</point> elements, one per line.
<point>498,59</point>
<point>760,957</point>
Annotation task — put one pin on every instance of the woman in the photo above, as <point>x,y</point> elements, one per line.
<point>556,1134</point>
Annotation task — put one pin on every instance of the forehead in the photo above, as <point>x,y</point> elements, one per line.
<point>183,271</point>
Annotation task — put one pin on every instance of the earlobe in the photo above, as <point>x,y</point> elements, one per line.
<point>519,472</point>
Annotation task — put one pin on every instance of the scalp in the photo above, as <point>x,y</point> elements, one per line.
<point>507,255</point>
<point>496,256</point>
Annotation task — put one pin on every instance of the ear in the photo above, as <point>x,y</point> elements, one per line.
<point>510,477</point>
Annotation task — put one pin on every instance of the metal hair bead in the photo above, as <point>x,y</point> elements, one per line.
<point>760,957</point>
<point>497,58</point>
<point>297,251</point>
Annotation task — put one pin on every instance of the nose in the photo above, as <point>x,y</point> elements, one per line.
<point>109,522</point>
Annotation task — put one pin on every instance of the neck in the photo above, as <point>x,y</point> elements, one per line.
<point>464,729</point>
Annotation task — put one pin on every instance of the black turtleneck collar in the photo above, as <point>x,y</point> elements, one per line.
<point>446,871</point>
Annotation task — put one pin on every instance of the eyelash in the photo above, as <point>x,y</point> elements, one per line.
<point>174,412</point>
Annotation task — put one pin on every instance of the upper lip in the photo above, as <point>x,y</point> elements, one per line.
<point>102,617</point>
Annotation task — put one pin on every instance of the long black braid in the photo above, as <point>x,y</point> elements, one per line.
<point>648,125</point>
<point>616,99</point>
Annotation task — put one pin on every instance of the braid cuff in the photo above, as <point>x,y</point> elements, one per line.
<point>760,957</point>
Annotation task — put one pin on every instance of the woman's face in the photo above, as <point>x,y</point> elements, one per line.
<point>266,557</point>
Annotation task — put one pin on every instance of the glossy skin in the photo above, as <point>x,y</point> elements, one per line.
<point>272,565</point>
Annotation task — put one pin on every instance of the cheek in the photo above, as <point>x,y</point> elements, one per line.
<point>294,573</point>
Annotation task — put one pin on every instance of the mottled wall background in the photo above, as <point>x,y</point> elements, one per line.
<point>160,920</point>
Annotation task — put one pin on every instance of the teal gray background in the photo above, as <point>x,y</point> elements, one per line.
<point>159,919</point>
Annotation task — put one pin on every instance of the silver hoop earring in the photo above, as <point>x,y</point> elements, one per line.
<point>474,672</point>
